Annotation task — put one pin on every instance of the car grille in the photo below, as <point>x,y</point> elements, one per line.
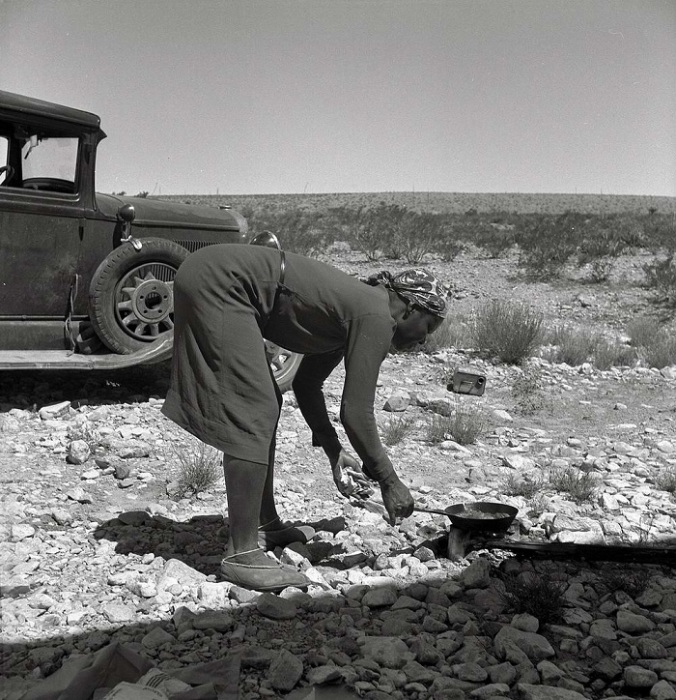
<point>192,246</point>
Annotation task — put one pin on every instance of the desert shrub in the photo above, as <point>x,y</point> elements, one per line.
<point>454,332</point>
<point>661,277</point>
<point>527,391</point>
<point>420,233</point>
<point>632,580</point>
<point>571,345</point>
<point>642,331</point>
<point>464,425</point>
<point>494,240</point>
<point>397,428</point>
<point>539,595</point>
<point>611,353</point>
<point>655,346</point>
<point>507,330</point>
<point>601,244</point>
<point>666,479</point>
<point>298,230</point>
<point>447,245</point>
<point>372,230</point>
<point>580,486</point>
<point>199,468</point>
<point>527,486</point>
<point>547,243</point>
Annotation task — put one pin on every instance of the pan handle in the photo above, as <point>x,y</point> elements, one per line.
<point>430,510</point>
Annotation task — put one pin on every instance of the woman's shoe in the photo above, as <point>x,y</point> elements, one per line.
<point>283,536</point>
<point>258,572</point>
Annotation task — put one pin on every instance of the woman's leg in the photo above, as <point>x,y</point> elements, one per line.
<point>244,482</point>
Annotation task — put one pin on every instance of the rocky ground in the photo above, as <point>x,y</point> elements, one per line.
<point>96,546</point>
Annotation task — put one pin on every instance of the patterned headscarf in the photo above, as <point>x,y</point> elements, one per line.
<point>418,286</point>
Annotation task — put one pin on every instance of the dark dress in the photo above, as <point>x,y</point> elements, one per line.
<point>227,298</point>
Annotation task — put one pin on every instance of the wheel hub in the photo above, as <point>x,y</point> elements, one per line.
<point>152,301</point>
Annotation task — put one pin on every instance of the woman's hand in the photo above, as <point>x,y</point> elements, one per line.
<point>397,498</point>
<point>349,478</point>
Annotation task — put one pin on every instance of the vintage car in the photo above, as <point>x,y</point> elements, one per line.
<point>86,278</point>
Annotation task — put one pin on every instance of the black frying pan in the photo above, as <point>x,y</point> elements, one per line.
<point>482,516</point>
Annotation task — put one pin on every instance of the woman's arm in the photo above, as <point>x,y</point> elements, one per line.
<point>307,386</point>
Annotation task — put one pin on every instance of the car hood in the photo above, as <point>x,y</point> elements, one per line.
<point>153,213</point>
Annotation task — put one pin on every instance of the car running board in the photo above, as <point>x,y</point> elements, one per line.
<point>158,351</point>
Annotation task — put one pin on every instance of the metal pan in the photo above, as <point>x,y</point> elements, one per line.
<point>481,516</point>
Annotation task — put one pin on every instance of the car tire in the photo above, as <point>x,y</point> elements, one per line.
<point>283,363</point>
<point>131,298</point>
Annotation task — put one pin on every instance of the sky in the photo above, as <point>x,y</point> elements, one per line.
<point>314,96</point>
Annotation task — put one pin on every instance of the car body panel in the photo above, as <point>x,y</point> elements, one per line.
<point>55,230</point>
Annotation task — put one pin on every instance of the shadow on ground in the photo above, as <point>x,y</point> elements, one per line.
<point>31,390</point>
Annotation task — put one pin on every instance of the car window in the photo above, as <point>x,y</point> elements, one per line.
<point>48,158</point>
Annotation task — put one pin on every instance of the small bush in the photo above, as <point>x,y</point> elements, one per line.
<point>642,331</point>
<point>526,486</point>
<point>666,480</point>
<point>535,594</point>
<point>661,352</point>
<point>661,276</point>
<point>464,425</point>
<point>397,428</point>
<point>454,332</point>
<point>607,353</point>
<point>508,330</point>
<point>580,486</point>
<point>527,391</point>
<point>632,580</point>
<point>573,346</point>
<point>199,468</point>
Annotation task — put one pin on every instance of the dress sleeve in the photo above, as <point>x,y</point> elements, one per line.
<point>368,342</point>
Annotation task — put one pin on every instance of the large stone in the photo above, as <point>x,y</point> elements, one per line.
<point>663,690</point>
<point>217,620</point>
<point>276,608</point>
<point>118,612</point>
<point>285,671</point>
<point>386,651</point>
<point>637,677</point>
<point>528,691</point>
<point>477,574</point>
<point>633,624</point>
<point>176,571</point>
<point>535,646</point>
<point>214,595</point>
<point>398,401</point>
<point>156,638</point>
<point>380,597</point>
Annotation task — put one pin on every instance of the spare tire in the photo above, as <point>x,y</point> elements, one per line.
<point>131,296</point>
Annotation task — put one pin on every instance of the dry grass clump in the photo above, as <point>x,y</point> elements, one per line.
<point>199,468</point>
<point>507,330</point>
<point>528,391</point>
<point>632,580</point>
<point>654,344</point>
<point>454,332</point>
<point>537,594</point>
<point>464,425</point>
<point>580,486</point>
<point>526,486</point>
<point>574,346</point>
<point>666,480</point>
<point>397,428</point>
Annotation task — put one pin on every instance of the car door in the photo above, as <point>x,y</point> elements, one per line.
<point>41,225</point>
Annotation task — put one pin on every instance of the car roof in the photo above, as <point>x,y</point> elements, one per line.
<point>33,106</point>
